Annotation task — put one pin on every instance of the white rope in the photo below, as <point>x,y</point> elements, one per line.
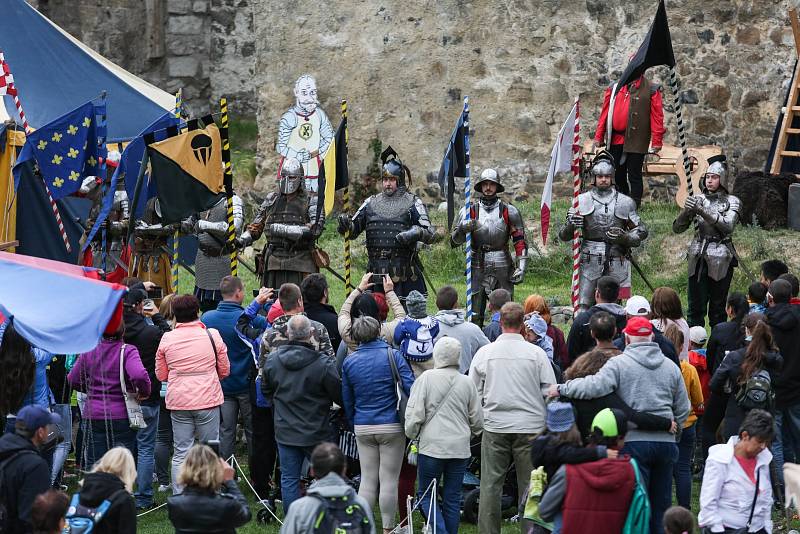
<point>260,500</point>
<point>151,510</point>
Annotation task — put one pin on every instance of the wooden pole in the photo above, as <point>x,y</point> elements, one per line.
<point>226,160</point>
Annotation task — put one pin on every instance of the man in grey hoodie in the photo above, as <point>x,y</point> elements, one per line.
<point>328,466</point>
<point>452,324</point>
<point>648,382</point>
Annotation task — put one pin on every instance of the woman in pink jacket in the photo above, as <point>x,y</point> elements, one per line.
<point>193,360</point>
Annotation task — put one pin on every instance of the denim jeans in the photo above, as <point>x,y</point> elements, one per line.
<point>656,460</point>
<point>62,449</point>
<point>163,444</point>
<point>230,409</point>
<point>145,451</point>
<point>104,435</point>
<point>787,438</point>
<point>682,472</point>
<point>291,459</point>
<point>450,473</point>
<point>188,425</point>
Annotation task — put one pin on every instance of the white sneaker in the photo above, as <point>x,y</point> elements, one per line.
<point>402,530</point>
<point>163,488</point>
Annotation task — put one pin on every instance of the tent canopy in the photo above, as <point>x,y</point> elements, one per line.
<point>55,73</point>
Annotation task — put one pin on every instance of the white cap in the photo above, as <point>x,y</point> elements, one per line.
<point>697,335</point>
<point>637,305</point>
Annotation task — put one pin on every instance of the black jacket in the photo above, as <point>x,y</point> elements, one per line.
<point>23,478</point>
<point>666,346</point>
<point>784,321</point>
<point>580,338</point>
<point>551,455</point>
<point>325,314</point>
<point>121,516</point>
<point>145,338</point>
<point>724,337</point>
<point>588,408</point>
<point>727,377</point>
<point>216,513</point>
<point>302,384</point>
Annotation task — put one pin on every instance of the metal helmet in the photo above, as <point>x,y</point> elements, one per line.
<point>603,165</point>
<point>393,167</point>
<point>291,176</point>
<point>489,175</point>
<point>717,165</point>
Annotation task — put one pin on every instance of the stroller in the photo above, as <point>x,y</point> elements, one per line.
<point>509,501</point>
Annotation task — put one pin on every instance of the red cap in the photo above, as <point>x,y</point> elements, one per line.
<point>115,321</point>
<point>274,312</point>
<point>638,326</point>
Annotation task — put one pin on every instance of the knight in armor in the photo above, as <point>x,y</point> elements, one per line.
<point>151,258</point>
<point>213,261</point>
<point>611,228</point>
<point>711,253</point>
<point>108,251</point>
<point>493,224</point>
<point>292,225</point>
<point>396,225</point>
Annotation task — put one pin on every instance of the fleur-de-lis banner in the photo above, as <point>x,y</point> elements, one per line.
<point>66,150</point>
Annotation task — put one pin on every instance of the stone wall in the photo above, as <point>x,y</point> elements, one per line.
<point>405,66</point>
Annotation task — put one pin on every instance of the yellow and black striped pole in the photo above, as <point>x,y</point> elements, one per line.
<point>346,197</point>
<point>226,160</point>
<point>177,235</point>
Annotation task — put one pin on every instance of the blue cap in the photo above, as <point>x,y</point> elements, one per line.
<point>35,417</point>
<point>560,416</point>
<point>537,324</point>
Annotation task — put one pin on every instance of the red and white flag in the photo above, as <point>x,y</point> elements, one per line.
<point>561,160</point>
<point>6,79</point>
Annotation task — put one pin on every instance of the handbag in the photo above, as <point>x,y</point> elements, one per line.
<point>402,398</point>
<point>745,529</point>
<point>412,449</point>
<point>134,409</point>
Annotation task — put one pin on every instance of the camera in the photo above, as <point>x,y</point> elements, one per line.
<point>214,444</point>
<point>155,293</point>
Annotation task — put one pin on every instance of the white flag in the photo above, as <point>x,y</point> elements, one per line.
<point>561,160</point>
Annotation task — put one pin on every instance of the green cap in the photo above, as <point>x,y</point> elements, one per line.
<point>609,422</point>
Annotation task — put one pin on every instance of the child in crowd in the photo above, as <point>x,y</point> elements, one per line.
<point>561,443</point>
<point>697,357</point>
<point>756,297</point>
<point>678,520</point>
<point>497,298</point>
<point>416,332</point>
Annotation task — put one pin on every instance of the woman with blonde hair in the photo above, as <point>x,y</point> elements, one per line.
<point>536,303</point>
<point>211,500</point>
<point>111,479</point>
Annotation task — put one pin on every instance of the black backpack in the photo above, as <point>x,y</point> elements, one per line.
<point>756,392</point>
<point>340,515</point>
<point>82,519</point>
<point>6,521</point>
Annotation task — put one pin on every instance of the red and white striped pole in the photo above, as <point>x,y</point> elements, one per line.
<point>576,190</point>
<point>27,128</point>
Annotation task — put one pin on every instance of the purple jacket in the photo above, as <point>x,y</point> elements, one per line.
<point>96,373</point>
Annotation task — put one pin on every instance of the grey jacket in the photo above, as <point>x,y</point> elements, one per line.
<point>303,512</point>
<point>645,380</point>
<point>452,324</point>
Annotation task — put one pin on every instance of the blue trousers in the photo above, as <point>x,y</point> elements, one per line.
<point>106,435</point>
<point>786,445</point>
<point>656,460</point>
<point>682,471</point>
<point>145,453</point>
<point>291,459</point>
<point>449,474</point>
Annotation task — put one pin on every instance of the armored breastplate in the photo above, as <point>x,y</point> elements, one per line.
<point>602,218</point>
<point>492,235</point>
<point>286,210</point>
<point>387,216</point>
<point>706,230</point>
<point>218,213</point>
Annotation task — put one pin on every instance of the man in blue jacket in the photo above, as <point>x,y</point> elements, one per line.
<point>236,387</point>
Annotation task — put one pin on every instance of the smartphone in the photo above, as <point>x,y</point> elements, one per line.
<point>256,292</point>
<point>214,444</point>
<point>155,293</point>
<point>149,305</point>
<point>377,279</point>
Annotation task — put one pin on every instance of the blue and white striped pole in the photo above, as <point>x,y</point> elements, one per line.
<point>467,189</point>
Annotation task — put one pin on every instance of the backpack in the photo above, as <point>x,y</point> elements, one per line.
<point>638,519</point>
<point>340,515</point>
<point>756,392</point>
<point>6,522</point>
<point>82,519</point>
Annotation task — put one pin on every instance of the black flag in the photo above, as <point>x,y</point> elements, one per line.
<point>453,164</point>
<point>655,50</point>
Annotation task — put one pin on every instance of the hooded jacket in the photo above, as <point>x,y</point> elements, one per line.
<point>667,348</point>
<point>121,516</point>
<point>580,337</point>
<point>240,356</point>
<point>23,478</point>
<point>593,497</point>
<point>145,337</point>
<point>302,384</point>
<point>303,512</point>
<point>784,321</point>
<point>644,380</point>
<point>444,410</point>
<point>325,314</point>
<point>210,512</point>
<point>452,324</point>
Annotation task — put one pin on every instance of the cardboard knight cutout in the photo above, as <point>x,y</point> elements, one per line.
<point>305,132</point>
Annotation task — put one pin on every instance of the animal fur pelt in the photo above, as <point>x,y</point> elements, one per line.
<point>763,196</point>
